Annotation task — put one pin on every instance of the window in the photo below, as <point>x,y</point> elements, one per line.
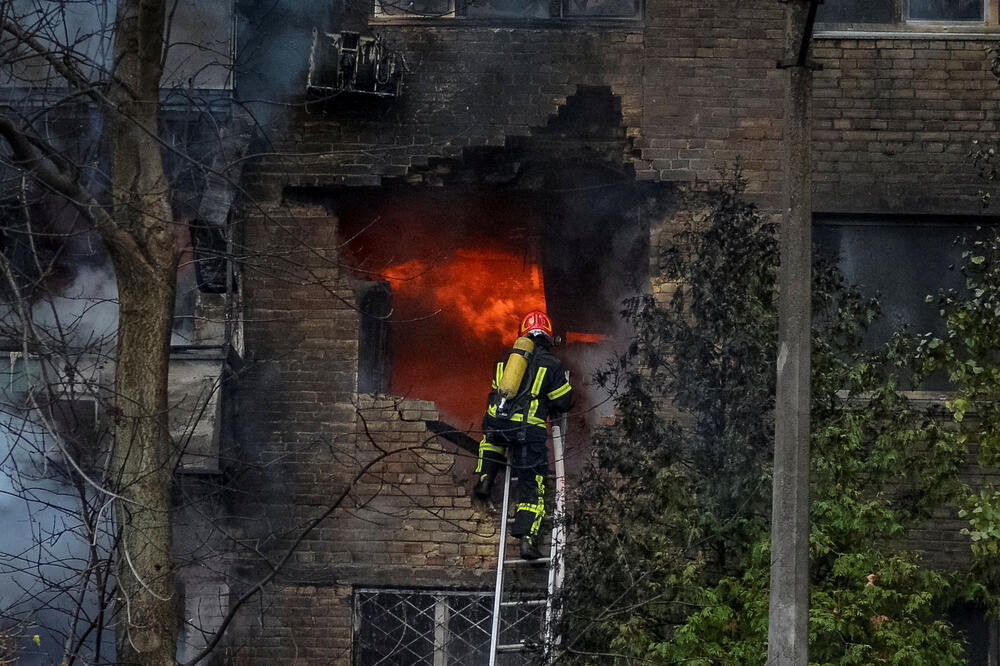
<point>946,10</point>
<point>508,9</point>
<point>429,628</point>
<point>201,41</point>
<point>374,301</point>
<point>902,260</point>
<point>903,14</point>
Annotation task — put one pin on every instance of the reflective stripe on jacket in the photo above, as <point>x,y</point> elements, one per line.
<point>544,389</point>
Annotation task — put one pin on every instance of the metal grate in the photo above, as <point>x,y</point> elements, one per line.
<point>394,627</point>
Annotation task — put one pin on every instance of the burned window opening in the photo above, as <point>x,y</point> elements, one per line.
<point>348,62</point>
<point>374,308</point>
<point>464,264</point>
<point>211,261</point>
<point>47,245</point>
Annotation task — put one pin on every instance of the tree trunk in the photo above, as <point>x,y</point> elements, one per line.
<point>142,248</point>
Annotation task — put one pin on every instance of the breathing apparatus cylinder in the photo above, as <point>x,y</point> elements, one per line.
<point>513,373</point>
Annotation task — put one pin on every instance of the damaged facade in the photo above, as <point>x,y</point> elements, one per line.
<point>527,153</point>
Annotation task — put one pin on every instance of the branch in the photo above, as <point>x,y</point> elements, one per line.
<point>62,65</point>
<point>27,156</point>
<point>276,568</point>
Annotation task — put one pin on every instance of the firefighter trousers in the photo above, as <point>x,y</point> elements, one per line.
<point>530,462</point>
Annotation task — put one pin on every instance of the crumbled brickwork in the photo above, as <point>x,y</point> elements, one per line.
<point>372,490</point>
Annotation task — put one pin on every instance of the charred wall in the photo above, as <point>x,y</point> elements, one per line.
<point>304,435</point>
<point>496,109</point>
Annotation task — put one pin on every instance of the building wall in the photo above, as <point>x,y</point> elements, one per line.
<point>305,437</point>
<point>894,120</point>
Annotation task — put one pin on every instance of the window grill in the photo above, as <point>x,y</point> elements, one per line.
<point>394,627</point>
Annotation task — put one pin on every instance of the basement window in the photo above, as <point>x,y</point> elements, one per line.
<point>410,627</point>
<point>908,15</point>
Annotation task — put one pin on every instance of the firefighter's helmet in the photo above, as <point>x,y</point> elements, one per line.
<point>537,322</point>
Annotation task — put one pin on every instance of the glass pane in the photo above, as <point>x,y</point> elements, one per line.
<point>415,7</point>
<point>507,8</point>
<point>200,44</point>
<point>902,263</point>
<point>946,10</point>
<point>855,11</point>
<point>621,8</point>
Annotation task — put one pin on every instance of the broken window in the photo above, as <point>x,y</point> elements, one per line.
<point>374,307</point>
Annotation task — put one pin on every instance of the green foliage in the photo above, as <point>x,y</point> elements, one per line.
<point>969,354</point>
<point>670,559</point>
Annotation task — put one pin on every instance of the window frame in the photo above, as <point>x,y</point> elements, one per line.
<point>436,609</point>
<point>902,22</point>
<point>558,13</point>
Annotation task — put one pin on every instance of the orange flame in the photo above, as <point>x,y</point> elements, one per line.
<point>591,338</point>
<point>462,310</point>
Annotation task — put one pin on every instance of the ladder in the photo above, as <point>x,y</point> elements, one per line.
<point>555,562</point>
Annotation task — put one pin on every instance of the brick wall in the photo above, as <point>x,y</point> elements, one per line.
<point>894,123</point>
<point>304,436</point>
<point>698,87</point>
<point>711,90</point>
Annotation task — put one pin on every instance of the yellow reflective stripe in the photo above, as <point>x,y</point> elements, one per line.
<point>536,388</point>
<point>532,419</point>
<point>499,374</point>
<point>538,509</point>
<point>532,408</point>
<point>540,482</point>
<point>561,391</point>
<point>484,448</point>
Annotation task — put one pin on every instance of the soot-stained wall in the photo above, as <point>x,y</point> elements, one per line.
<point>695,86</point>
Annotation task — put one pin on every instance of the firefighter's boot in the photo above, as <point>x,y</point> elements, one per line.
<point>529,547</point>
<point>484,486</point>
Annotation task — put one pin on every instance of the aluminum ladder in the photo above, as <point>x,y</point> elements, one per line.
<point>555,562</point>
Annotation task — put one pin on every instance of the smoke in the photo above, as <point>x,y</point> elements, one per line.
<point>272,63</point>
<point>85,314</point>
<point>50,559</point>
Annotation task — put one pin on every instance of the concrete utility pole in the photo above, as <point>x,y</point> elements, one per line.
<point>788,625</point>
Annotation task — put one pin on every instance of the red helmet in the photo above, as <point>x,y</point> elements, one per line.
<point>537,322</point>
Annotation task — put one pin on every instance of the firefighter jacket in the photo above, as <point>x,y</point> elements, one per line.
<point>544,391</point>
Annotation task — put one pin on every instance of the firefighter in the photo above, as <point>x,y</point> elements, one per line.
<point>529,385</point>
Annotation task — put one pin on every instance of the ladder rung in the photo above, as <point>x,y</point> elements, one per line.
<point>540,560</point>
<point>525,602</point>
<point>513,647</point>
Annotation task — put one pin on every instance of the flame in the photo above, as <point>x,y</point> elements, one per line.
<point>453,317</point>
<point>590,338</point>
